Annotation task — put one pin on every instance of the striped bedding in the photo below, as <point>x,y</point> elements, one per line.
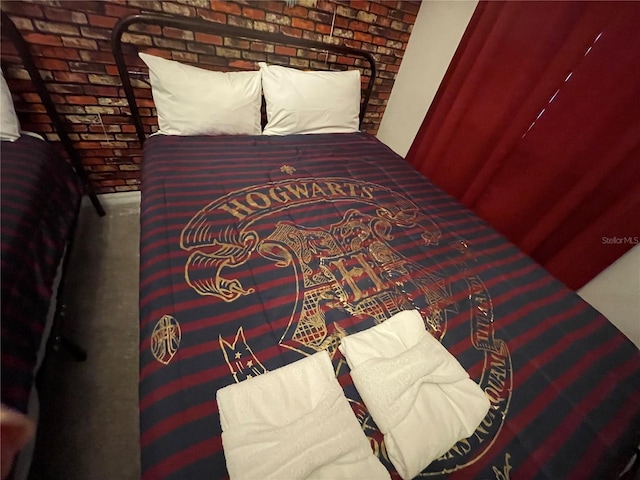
<point>259,251</point>
<point>40,197</point>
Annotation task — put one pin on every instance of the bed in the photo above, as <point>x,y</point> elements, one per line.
<point>258,251</point>
<point>40,201</point>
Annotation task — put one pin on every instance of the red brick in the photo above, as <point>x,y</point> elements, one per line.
<point>358,26</point>
<point>212,16</point>
<point>92,160</point>
<point>410,7</point>
<point>112,183</point>
<point>104,168</point>
<point>81,99</point>
<point>82,5</point>
<point>84,145</point>
<point>103,152</point>
<point>37,127</point>
<point>360,4</point>
<point>145,102</point>
<point>102,128</point>
<point>43,39</point>
<point>352,44</point>
<point>150,29</point>
<point>209,39</point>
<point>114,119</point>
<point>273,6</point>
<point>378,9</point>
<point>111,70</point>
<point>326,5</point>
<point>282,50</point>
<point>23,8</point>
<point>363,37</point>
<point>31,97</point>
<point>31,107</point>
<point>242,64</point>
<point>322,28</point>
<point>101,91</point>
<point>296,11</point>
<point>101,21</point>
<point>409,18</point>
<point>224,6</point>
<point>139,92</point>
<point>341,22</point>
<point>261,47</point>
<point>170,32</point>
<point>383,22</point>
<point>303,24</point>
<point>291,32</point>
<point>253,13</point>
<point>157,52</point>
<point>70,77</point>
<point>118,11</point>
<point>51,64</point>
<point>379,41</point>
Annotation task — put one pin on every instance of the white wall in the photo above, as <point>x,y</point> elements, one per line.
<point>434,39</point>
<point>436,34</point>
<point>616,294</point>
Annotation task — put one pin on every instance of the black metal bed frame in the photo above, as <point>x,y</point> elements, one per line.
<point>25,55</point>
<point>57,341</point>
<point>204,26</point>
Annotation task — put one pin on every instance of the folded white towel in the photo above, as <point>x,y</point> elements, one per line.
<point>294,422</point>
<point>418,394</point>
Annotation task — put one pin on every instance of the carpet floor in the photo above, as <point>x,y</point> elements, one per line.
<point>89,427</point>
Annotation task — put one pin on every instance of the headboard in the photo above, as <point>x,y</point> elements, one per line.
<point>204,26</point>
<point>10,30</point>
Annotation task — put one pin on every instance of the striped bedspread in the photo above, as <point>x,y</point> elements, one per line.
<point>259,251</point>
<point>40,197</point>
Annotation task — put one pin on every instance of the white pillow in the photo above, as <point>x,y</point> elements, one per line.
<point>9,124</point>
<point>194,101</point>
<point>310,102</point>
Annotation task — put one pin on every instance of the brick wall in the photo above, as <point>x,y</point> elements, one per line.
<point>70,41</point>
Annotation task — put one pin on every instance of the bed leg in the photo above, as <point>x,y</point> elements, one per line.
<point>61,343</point>
<point>96,203</point>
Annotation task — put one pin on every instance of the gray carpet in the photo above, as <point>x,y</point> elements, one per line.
<point>89,426</point>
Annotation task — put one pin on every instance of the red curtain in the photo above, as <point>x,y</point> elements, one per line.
<point>536,128</point>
